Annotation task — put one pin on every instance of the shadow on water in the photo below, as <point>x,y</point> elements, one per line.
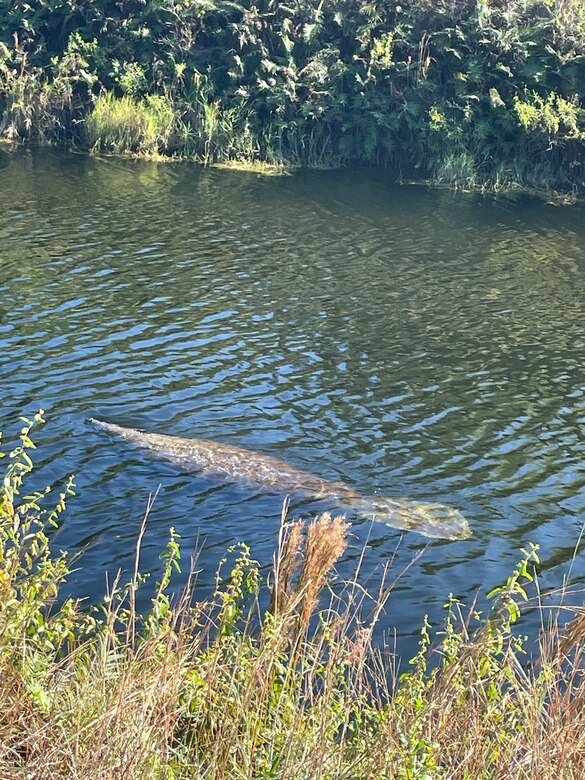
<point>406,341</point>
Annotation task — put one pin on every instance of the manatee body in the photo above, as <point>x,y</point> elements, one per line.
<point>276,476</point>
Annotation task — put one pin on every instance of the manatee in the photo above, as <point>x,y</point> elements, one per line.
<point>276,476</point>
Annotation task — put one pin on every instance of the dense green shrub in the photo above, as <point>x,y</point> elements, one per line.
<point>434,89</point>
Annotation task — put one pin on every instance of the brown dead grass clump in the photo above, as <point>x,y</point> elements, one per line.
<point>309,558</point>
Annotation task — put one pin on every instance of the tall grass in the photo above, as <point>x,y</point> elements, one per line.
<point>198,125</point>
<point>211,132</point>
<point>224,689</point>
<point>36,109</point>
<point>38,106</point>
<point>128,124</point>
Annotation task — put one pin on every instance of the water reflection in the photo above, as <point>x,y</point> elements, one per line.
<point>406,341</point>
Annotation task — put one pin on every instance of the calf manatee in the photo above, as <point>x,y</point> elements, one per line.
<point>275,476</point>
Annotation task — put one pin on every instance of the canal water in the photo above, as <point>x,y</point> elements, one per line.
<point>406,341</point>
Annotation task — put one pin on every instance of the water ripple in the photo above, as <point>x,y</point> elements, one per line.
<point>408,342</point>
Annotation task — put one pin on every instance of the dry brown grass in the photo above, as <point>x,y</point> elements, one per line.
<point>198,695</point>
<point>309,560</point>
<point>226,691</point>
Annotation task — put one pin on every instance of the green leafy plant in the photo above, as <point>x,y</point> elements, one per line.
<point>483,94</point>
<point>29,575</point>
<point>555,117</point>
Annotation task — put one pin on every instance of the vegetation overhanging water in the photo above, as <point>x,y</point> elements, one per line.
<point>471,93</point>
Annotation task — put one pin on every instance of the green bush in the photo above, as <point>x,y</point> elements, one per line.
<point>457,92</point>
<point>553,116</point>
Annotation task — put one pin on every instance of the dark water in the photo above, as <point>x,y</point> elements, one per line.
<point>409,342</point>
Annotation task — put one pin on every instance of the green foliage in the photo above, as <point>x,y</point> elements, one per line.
<point>218,689</point>
<point>506,596</point>
<point>41,107</point>
<point>29,575</point>
<point>208,130</point>
<point>126,124</point>
<point>133,80</point>
<point>553,116</point>
<point>467,93</point>
<point>242,583</point>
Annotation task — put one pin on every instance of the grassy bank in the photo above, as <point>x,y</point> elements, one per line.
<point>224,689</point>
<point>469,93</point>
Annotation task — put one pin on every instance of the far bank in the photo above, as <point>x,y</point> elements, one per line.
<point>473,95</point>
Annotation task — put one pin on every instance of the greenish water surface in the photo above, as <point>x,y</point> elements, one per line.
<point>409,342</point>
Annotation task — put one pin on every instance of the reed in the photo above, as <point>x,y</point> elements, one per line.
<point>127,124</point>
<point>211,132</point>
<point>224,689</point>
<point>36,109</point>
